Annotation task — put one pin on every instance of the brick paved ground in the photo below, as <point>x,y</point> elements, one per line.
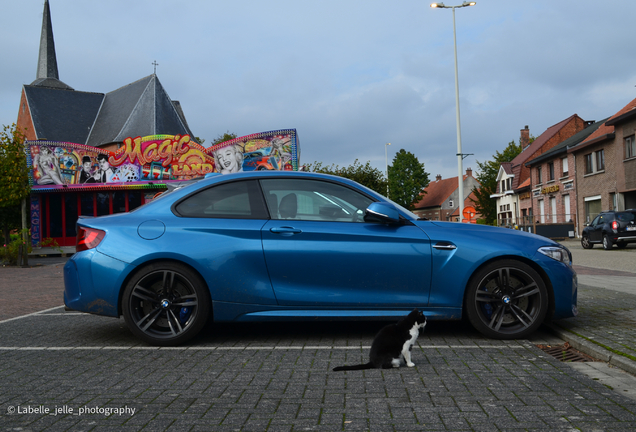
<point>28,290</point>
<point>278,377</point>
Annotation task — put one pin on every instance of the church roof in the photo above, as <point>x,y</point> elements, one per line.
<point>141,108</point>
<point>62,115</point>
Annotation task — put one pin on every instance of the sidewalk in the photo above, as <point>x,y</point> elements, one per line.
<point>605,327</point>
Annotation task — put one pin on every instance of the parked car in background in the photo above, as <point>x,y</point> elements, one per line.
<point>289,246</point>
<point>610,228</point>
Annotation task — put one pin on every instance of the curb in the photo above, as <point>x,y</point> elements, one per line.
<point>594,350</point>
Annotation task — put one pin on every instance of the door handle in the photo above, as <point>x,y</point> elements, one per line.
<point>445,246</point>
<point>285,230</point>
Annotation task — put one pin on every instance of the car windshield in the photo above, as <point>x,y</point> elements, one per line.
<point>408,212</point>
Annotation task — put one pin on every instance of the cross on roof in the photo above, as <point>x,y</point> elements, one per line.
<point>155,65</point>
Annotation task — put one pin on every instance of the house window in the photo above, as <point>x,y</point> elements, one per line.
<point>551,170</point>
<point>589,165</point>
<point>509,184</point>
<point>564,162</point>
<point>566,206</point>
<point>450,203</point>
<point>592,207</point>
<point>539,179</point>
<point>595,162</point>
<point>503,186</point>
<point>630,147</point>
<point>600,160</point>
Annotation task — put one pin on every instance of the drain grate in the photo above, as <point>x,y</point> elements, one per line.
<point>565,353</point>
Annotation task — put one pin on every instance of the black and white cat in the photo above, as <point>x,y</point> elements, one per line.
<point>393,344</point>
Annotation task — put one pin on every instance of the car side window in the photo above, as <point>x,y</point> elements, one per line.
<point>313,200</point>
<point>233,200</point>
<point>595,221</point>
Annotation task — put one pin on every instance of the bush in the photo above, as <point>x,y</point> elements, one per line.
<point>9,252</point>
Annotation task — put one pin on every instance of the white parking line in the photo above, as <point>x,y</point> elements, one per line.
<point>214,348</point>
<point>246,348</point>
<point>31,314</point>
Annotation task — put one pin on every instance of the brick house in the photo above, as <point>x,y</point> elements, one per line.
<point>605,167</point>
<point>553,180</point>
<point>440,198</point>
<point>514,205</point>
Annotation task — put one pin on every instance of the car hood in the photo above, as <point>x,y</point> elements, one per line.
<point>502,235</point>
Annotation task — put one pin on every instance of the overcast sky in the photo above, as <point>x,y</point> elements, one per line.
<point>349,75</point>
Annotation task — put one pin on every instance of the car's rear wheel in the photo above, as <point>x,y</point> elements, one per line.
<point>607,242</point>
<point>165,304</point>
<point>585,242</point>
<point>507,299</point>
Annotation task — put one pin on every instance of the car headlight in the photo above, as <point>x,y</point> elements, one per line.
<point>557,253</point>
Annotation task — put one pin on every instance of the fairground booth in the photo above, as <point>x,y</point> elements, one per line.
<point>70,180</point>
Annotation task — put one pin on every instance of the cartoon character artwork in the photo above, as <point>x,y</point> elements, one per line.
<point>158,158</point>
<point>47,167</point>
<point>86,173</point>
<point>229,159</point>
<point>275,150</point>
<point>105,173</point>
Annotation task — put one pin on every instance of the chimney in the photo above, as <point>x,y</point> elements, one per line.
<point>524,140</point>
<point>469,172</point>
<point>438,177</point>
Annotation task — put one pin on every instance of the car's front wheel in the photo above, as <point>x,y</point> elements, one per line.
<point>506,299</point>
<point>585,242</point>
<point>165,304</point>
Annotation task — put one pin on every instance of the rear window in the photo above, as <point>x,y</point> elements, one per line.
<point>626,216</point>
<point>234,200</point>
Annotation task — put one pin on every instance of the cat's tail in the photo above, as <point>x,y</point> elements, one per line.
<point>355,367</point>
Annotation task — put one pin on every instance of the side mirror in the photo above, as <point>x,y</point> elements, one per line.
<point>382,212</point>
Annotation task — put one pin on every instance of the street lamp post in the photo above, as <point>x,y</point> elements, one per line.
<point>386,158</point>
<point>460,155</point>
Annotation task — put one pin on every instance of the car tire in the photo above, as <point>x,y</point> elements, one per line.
<point>166,304</point>
<point>585,242</point>
<point>506,299</point>
<point>607,243</point>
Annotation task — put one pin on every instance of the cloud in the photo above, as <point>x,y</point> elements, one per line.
<point>349,76</point>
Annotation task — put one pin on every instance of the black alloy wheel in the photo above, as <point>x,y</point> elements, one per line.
<point>506,299</point>
<point>166,304</point>
<point>585,242</point>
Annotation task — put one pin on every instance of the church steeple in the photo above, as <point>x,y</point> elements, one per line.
<point>47,61</point>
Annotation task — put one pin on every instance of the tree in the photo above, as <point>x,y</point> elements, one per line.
<point>222,138</point>
<point>366,175</point>
<point>407,179</point>
<point>14,178</point>
<point>487,176</point>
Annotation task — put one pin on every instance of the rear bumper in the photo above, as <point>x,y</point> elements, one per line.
<point>89,285</point>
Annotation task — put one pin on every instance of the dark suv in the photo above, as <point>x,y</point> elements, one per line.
<point>609,228</point>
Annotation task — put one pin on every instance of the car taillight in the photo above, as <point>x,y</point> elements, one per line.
<point>615,225</point>
<point>88,238</point>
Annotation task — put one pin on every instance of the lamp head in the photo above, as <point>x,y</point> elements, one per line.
<point>437,5</point>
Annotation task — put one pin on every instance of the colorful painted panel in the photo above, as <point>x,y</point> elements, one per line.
<point>157,158</point>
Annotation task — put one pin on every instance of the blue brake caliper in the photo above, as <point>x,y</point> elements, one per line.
<point>184,314</point>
